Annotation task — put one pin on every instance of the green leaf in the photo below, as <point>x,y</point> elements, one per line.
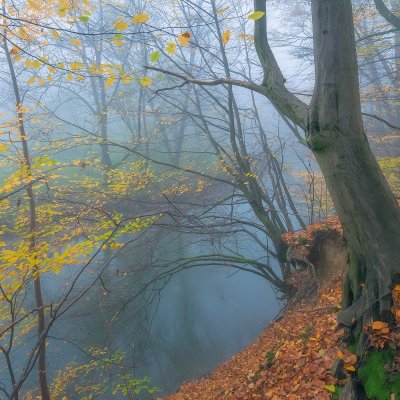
<point>256,15</point>
<point>155,56</point>
<point>83,18</point>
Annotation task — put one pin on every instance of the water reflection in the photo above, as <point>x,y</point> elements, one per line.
<point>201,318</point>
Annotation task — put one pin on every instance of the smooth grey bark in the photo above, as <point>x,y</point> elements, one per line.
<point>364,202</point>
<point>389,16</point>
<point>334,131</point>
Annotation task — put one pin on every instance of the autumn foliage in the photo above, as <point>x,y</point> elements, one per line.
<point>292,359</point>
<point>308,235</point>
<point>304,353</point>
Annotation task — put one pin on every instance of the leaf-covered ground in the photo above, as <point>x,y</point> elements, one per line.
<point>292,359</point>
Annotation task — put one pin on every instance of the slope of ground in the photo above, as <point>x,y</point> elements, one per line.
<point>293,358</point>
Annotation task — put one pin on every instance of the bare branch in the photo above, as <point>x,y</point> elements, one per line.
<point>274,82</point>
<point>16,322</point>
<point>382,120</point>
<point>389,16</point>
<point>215,82</point>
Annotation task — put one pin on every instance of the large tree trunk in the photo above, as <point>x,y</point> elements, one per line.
<point>334,131</point>
<point>364,202</point>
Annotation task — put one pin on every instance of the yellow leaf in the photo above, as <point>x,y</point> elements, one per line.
<point>55,34</point>
<point>70,77</point>
<point>41,81</point>
<point>146,81</point>
<point>34,5</point>
<point>51,69</point>
<point>75,66</point>
<point>120,25</point>
<point>109,82</point>
<point>222,10</point>
<point>397,288</point>
<point>3,148</point>
<point>114,246</point>
<point>330,388</point>
<point>226,36</point>
<point>49,78</point>
<point>118,42</point>
<point>76,42</point>
<point>140,18</point>
<point>63,7</point>
<point>22,34</point>
<point>171,48</point>
<point>184,39</point>
<point>64,4</point>
<point>256,15</point>
<point>350,368</point>
<point>340,355</point>
<point>36,64</point>
<point>62,12</point>
<point>126,79</point>
<point>31,80</point>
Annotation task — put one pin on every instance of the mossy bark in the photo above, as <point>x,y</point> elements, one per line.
<point>335,132</point>
<point>363,200</point>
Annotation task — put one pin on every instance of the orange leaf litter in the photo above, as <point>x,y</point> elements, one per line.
<point>292,359</point>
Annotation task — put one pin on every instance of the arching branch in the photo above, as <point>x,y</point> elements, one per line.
<point>274,83</point>
<point>389,16</point>
<point>214,82</point>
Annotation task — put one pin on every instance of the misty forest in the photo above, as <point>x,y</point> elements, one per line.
<point>199,199</point>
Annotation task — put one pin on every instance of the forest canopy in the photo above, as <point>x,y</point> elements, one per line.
<point>141,141</point>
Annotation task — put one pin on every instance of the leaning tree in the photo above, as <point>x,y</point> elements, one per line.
<point>334,131</point>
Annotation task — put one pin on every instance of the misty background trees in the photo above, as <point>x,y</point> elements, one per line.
<point>141,140</point>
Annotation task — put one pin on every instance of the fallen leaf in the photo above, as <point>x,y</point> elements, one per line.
<point>379,325</point>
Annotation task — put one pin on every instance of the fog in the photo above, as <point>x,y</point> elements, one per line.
<point>146,184</point>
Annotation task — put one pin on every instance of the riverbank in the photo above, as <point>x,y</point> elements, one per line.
<point>292,359</point>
